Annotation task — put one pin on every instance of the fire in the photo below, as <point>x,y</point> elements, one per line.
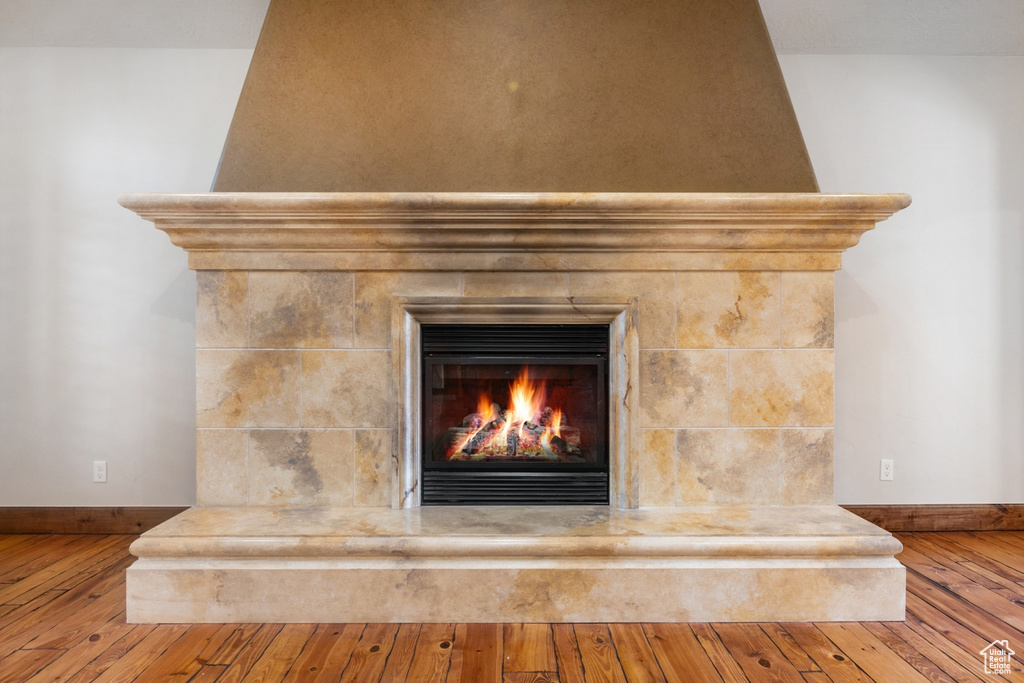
<point>527,428</point>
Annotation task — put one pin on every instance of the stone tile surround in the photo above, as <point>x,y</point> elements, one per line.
<point>730,362</point>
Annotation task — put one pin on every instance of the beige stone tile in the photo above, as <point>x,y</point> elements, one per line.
<point>656,294</point>
<point>658,468</point>
<point>289,310</point>
<point>515,284</point>
<point>684,388</point>
<point>727,310</point>
<point>807,456</point>
<point>374,292</point>
<point>300,467</point>
<point>346,389</point>
<point>781,388</point>
<point>221,471</point>
<point>372,465</point>
<point>247,388</point>
<point>728,467</point>
<point>808,310</point>
<point>221,309</point>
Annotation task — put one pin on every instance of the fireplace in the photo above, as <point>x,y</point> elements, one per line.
<point>515,414</point>
<point>464,261</point>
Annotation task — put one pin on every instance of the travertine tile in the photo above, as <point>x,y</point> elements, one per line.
<point>300,467</point>
<point>728,467</point>
<point>221,305</point>
<point>684,388</point>
<point>374,292</point>
<point>727,310</point>
<point>247,388</point>
<point>372,465</point>
<point>658,468</point>
<point>221,456</point>
<point>781,388</point>
<point>346,389</point>
<point>656,300</point>
<point>807,456</point>
<point>515,284</point>
<point>808,310</point>
<point>290,310</point>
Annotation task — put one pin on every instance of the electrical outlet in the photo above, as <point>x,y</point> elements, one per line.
<point>886,470</point>
<point>99,471</point>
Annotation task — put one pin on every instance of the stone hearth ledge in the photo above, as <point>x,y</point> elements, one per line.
<point>501,564</point>
<point>514,231</point>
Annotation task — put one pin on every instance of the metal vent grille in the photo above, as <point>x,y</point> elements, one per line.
<point>514,488</point>
<point>482,340</point>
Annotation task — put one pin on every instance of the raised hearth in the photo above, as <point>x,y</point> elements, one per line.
<point>311,395</point>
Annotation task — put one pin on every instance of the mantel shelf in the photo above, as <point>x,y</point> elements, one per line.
<point>484,231</point>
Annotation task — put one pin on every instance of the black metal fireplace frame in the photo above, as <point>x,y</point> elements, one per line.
<point>515,482</point>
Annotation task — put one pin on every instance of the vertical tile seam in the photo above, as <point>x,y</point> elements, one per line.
<point>248,311</point>
<point>780,308</point>
<point>778,471</point>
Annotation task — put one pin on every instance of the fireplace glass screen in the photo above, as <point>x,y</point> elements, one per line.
<point>515,414</point>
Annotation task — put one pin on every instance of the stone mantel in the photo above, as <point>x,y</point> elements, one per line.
<point>720,314</point>
<point>514,231</point>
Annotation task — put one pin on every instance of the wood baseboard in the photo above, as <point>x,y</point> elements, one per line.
<point>83,520</point>
<point>987,517</point>
<point>136,520</point>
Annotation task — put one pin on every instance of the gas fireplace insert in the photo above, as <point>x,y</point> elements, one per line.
<point>515,414</point>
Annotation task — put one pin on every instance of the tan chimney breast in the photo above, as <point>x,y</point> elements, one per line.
<point>517,96</point>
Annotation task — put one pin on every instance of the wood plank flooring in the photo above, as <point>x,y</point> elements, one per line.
<point>62,619</point>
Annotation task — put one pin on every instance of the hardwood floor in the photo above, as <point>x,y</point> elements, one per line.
<point>62,619</point>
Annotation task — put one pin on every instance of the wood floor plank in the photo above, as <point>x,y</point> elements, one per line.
<point>227,652</point>
<point>209,673</point>
<point>680,654</point>
<point>432,658</point>
<point>760,659</point>
<point>23,664</point>
<point>832,660</point>
<point>251,651</point>
<point>635,654</point>
<point>135,661</point>
<point>477,653</point>
<point>67,567</point>
<point>95,601</point>
<point>530,677</point>
<point>371,653</point>
<point>567,654</point>
<point>600,661</point>
<point>974,618</point>
<point>948,559</point>
<point>529,647</point>
<point>1013,574</point>
<point>400,657</point>
<point>789,647</point>
<point>927,668</point>
<point>184,657</point>
<point>112,653</point>
<point>1011,560</point>
<point>280,654</point>
<point>78,655</point>
<point>311,661</point>
<point>929,647</point>
<point>815,677</point>
<point>9,541</point>
<point>22,563</point>
<point>870,653</point>
<point>727,667</point>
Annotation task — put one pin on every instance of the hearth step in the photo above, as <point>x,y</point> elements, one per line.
<point>514,488</point>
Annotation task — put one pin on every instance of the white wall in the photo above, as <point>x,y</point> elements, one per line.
<point>96,306</point>
<point>929,306</point>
